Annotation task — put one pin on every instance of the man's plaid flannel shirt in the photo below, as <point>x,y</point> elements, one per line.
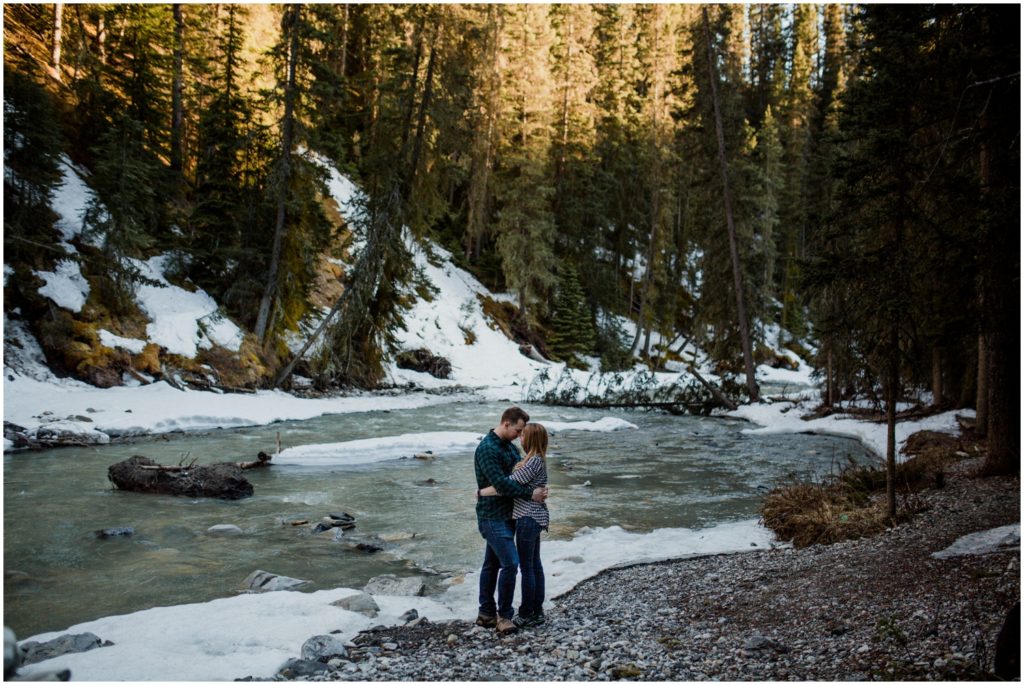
<point>493,462</point>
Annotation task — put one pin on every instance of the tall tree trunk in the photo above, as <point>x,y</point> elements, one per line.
<point>748,356</point>
<point>891,395</point>
<point>58,22</point>
<point>981,405</point>
<point>101,36</point>
<point>177,112</point>
<point>936,377</point>
<point>289,24</point>
<point>830,387</point>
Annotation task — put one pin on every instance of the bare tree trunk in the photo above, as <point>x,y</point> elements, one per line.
<point>748,356</point>
<point>344,40</point>
<point>177,113</point>
<point>981,413</point>
<point>289,24</point>
<point>58,22</point>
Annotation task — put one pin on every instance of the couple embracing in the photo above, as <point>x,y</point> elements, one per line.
<point>511,513</point>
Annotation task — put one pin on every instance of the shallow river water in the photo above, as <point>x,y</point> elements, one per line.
<point>674,472</point>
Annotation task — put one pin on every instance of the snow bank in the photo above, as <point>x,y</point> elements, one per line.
<point>784,417</point>
<point>182,321</point>
<point>254,634</point>
<point>607,424</point>
<point>373,450</point>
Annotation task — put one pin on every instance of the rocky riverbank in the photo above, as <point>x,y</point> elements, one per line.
<point>876,608</point>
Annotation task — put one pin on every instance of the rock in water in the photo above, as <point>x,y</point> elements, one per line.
<point>262,581</point>
<point>360,603</point>
<point>119,532</point>
<point>388,584</point>
<point>323,648</point>
<point>12,655</point>
<point>140,474</point>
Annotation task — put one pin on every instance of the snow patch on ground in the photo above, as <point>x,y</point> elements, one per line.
<point>65,285</point>
<point>182,321</point>
<point>1002,539</point>
<point>133,345</point>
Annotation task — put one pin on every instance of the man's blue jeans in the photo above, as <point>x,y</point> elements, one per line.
<point>501,562</point>
<point>528,545</point>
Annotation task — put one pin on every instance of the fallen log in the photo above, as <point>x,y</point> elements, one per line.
<point>141,474</point>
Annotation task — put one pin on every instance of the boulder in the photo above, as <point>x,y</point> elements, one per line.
<point>34,652</point>
<point>262,581</point>
<point>388,584</point>
<point>360,603</point>
<point>323,648</point>
<point>140,474</point>
<point>298,668</point>
<point>422,360</point>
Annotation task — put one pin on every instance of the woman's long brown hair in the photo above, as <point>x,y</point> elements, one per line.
<point>535,442</point>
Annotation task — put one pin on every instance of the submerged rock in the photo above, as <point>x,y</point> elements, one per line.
<point>262,581</point>
<point>119,532</point>
<point>388,584</point>
<point>224,529</point>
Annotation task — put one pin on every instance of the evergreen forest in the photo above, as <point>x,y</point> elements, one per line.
<point>847,173</point>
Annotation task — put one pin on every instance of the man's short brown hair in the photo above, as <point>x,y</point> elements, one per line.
<point>514,415</point>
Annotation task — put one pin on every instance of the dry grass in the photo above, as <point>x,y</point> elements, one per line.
<point>851,504</point>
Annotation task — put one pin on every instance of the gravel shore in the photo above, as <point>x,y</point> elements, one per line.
<point>880,608</point>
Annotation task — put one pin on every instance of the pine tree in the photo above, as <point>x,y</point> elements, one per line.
<point>572,329</point>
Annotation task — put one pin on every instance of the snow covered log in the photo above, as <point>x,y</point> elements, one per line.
<point>141,474</point>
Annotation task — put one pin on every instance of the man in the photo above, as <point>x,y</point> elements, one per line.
<point>495,457</point>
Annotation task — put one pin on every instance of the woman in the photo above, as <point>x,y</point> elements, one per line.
<point>530,517</point>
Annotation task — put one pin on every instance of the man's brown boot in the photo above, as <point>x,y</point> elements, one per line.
<point>505,626</point>
<point>486,621</point>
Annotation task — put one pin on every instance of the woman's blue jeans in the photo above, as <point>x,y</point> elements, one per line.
<point>532,571</point>
<point>500,564</point>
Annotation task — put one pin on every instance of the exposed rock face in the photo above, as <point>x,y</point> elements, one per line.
<point>224,481</point>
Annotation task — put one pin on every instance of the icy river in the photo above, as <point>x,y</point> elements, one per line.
<point>676,472</point>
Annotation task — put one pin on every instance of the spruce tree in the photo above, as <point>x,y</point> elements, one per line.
<point>572,328</point>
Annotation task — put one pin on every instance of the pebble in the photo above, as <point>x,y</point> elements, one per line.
<point>819,613</point>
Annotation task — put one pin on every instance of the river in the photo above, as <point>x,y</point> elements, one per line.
<point>673,472</point>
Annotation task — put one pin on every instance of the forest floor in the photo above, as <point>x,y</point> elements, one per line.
<point>877,608</point>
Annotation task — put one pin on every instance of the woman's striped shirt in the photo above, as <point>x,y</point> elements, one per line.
<point>533,474</point>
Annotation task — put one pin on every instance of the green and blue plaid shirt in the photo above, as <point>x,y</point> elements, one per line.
<point>493,462</point>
